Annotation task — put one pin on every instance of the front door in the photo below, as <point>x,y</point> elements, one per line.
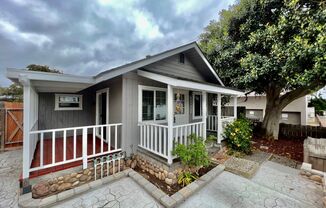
<point>102,110</point>
<point>181,107</point>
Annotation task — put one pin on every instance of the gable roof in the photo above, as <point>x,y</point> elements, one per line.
<point>81,82</point>
<point>108,74</point>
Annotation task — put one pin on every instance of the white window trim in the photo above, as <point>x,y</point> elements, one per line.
<point>193,105</point>
<point>57,108</point>
<point>140,103</point>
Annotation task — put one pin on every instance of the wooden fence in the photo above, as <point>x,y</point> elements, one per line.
<point>301,131</point>
<point>296,131</point>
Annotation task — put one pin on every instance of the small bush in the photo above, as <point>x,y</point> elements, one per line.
<point>185,178</point>
<point>238,135</point>
<point>194,155</point>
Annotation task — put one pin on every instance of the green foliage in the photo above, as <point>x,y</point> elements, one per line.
<point>185,178</point>
<point>194,154</point>
<point>319,103</point>
<point>238,135</point>
<point>274,47</point>
<point>210,139</point>
<point>12,93</point>
<point>42,68</point>
<point>262,45</point>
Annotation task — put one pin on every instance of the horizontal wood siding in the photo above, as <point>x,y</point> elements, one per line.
<point>172,66</point>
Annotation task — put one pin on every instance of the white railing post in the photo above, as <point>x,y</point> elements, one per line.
<point>170,122</point>
<point>84,148</point>
<point>204,104</point>
<point>219,121</point>
<point>235,107</point>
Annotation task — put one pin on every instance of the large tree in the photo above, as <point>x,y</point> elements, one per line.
<point>271,47</point>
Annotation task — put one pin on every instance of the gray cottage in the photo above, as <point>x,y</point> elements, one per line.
<point>146,105</point>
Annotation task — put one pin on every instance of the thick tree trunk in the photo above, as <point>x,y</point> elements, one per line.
<point>274,106</point>
<point>271,120</point>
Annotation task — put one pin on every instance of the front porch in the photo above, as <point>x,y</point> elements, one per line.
<point>59,149</point>
<point>167,116</point>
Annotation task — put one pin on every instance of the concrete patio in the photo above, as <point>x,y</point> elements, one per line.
<point>274,185</point>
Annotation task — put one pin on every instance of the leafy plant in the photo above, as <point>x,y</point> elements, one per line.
<point>238,135</point>
<point>194,155</point>
<point>210,139</point>
<point>275,47</point>
<point>185,178</point>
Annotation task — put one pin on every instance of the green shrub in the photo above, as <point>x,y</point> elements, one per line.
<point>194,155</point>
<point>238,135</point>
<point>185,178</point>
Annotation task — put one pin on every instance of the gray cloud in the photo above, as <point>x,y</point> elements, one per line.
<point>86,37</point>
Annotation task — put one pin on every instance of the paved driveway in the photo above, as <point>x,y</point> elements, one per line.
<point>10,168</point>
<point>274,185</point>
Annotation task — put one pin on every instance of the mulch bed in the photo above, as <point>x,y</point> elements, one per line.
<point>289,148</point>
<point>169,190</point>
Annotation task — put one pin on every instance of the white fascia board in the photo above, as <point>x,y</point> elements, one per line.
<point>45,76</point>
<point>208,64</point>
<point>147,61</point>
<point>188,84</point>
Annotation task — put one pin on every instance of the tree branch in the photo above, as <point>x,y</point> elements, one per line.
<point>293,95</point>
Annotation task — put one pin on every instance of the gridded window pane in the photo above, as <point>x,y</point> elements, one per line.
<point>148,105</point>
<point>160,108</point>
<point>197,105</point>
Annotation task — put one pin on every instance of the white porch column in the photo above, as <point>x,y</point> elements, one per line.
<point>219,117</point>
<point>235,103</point>
<point>170,122</point>
<point>204,113</point>
<point>26,135</point>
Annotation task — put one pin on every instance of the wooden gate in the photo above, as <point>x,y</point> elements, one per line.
<point>11,124</point>
<point>13,127</point>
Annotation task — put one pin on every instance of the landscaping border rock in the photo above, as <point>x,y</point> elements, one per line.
<point>26,200</point>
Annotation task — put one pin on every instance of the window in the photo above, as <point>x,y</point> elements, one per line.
<point>182,58</point>
<point>179,100</point>
<point>197,108</point>
<point>68,102</point>
<point>285,116</point>
<point>153,104</point>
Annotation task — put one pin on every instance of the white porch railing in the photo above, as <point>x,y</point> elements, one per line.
<point>154,137</point>
<point>212,123</point>
<point>70,135</point>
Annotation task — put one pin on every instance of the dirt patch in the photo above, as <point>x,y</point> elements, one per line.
<point>289,148</point>
<point>169,190</point>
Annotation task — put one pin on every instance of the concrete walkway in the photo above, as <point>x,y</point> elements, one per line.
<point>10,168</point>
<point>124,193</point>
<point>274,185</point>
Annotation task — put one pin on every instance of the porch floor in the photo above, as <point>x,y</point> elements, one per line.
<point>47,153</point>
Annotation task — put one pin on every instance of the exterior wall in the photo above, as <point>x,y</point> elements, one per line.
<point>130,109</point>
<point>51,119</point>
<point>171,66</point>
<point>259,103</point>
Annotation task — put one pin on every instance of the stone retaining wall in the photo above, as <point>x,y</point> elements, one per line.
<point>160,170</point>
<point>72,180</point>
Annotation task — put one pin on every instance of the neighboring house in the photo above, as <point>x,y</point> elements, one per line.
<point>145,105</point>
<point>297,112</point>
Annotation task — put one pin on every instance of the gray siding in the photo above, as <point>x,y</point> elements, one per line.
<point>51,119</point>
<point>130,109</point>
<point>171,66</point>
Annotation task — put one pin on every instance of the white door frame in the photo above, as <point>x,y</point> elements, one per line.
<point>97,116</point>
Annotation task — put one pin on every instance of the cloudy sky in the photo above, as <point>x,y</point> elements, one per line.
<point>86,37</point>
